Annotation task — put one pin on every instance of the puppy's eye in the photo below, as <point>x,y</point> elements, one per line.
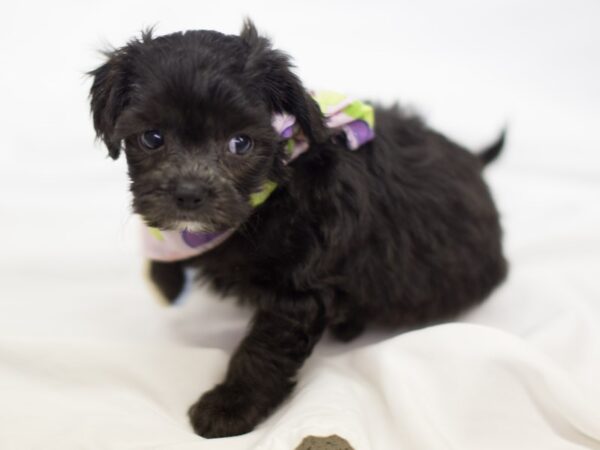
<point>240,144</point>
<point>151,139</point>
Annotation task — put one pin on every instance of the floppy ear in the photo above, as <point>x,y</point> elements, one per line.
<point>270,71</point>
<point>109,96</point>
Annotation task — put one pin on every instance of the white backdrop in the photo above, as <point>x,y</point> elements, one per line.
<point>89,358</point>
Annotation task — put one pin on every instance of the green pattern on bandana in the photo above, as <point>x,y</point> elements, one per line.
<point>356,109</point>
<point>289,147</point>
<point>156,233</point>
<point>328,99</point>
<point>258,198</point>
<point>361,111</point>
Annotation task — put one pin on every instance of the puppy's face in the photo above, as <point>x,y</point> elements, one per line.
<point>198,142</point>
<point>192,113</point>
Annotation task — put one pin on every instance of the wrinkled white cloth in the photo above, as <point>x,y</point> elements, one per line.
<point>89,360</point>
<point>452,386</point>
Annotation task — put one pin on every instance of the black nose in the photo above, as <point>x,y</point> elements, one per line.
<point>189,194</point>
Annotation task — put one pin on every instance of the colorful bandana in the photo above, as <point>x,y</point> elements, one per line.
<point>353,119</point>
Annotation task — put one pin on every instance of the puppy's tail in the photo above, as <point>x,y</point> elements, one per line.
<point>491,153</point>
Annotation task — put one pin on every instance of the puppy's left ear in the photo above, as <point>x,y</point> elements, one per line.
<point>270,70</point>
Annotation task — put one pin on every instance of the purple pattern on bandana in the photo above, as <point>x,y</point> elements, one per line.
<point>361,131</point>
<point>287,132</point>
<point>195,240</point>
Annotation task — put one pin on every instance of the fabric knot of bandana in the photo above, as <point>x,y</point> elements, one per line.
<point>352,119</point>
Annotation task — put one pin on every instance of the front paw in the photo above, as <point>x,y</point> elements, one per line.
<point>169,278</point>
<point>226,410</point>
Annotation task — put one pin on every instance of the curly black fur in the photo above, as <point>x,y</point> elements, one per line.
<point>401,232</point>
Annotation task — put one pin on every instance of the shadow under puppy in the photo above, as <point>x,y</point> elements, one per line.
<point>402,231</point>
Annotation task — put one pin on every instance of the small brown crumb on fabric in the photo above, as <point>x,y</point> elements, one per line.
<point>333,442</point>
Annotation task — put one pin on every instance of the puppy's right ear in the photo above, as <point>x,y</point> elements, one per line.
<point>108,97</point>
<point>270,71</point>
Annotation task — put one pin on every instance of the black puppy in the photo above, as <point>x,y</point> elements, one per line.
<point>401,232</point>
